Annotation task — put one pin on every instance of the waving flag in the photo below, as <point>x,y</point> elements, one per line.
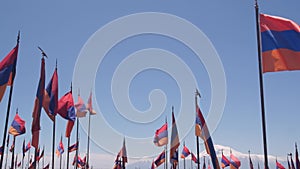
<point>36,114</point>
<point>201,130</point>
<point>174,160</point>
<point>17,126</point>
<point>224,161</point>
<point>81,110</point>
<point>174,137</point>
<point>40,156</point>
<point>73,147</point>
<point>117,164</point>
<point>194,158</point>
<point>50,100</point>
<point>279,166</point>
<point>28,146</point>
<point>60,148</point>
<point>161,136</point>
<point>8,70</point>
<point>90,106</point>
<point>185,152</point>
<point>235,163</point>
<point>66,110</point>
<point>280,38</point>
<point>160,159</point>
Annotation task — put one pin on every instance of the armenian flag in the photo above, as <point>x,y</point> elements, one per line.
<point>73,147</point>
<point>174,136</point>
<point>81,109</point>
<point>161,136</point>
<point>185,152</point>
<point>224,161</point>
<point>280,41</point>
<point>160,159</point>
<point>17,126</point>
<point>60,148</point>
<point>50,100</point>
<point>279,166</point>
<point>235,163</point>
<point>194,158</point>
<point>90,106</point>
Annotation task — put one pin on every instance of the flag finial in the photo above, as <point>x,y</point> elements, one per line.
<point>18,38</point>
<point>56,63</point>
<point>197,93</point>
<point>43,52</point>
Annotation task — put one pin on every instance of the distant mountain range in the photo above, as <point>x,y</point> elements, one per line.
<point>257,159</point>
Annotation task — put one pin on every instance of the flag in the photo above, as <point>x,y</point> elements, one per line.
<point>161,136</point>
<point>224,161</point>
<point>117,164</point>
<point>8,70</point>
<point>28,146</point>
<point>90,106</point>
<point>36,114</point>
<point>37,155</point>
<point>201,130</point>
<point>185,152</point>
<point>50,100</point>
<point>152,165</point>
<point>47,166</point>
<point>66,110</point>
<point>80,162</point>
<point>73,147</point>
<point>17,126</point>
<point>81,110</point>
<point>279,166</point>
<point>280,38</point>
<point>174,159</point>
<point>1,150</point>
<point>250,163</point>
<point>296,158</point>
<point>123,152</point>
<point>235,163</point>
<point>40,156</point>
<point>160,159</point>
<point>174,137</point>
<point>60,148</point>
<point>194,158</point>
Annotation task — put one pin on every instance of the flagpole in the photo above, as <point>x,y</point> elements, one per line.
<point>261,86</point>
<point>43,163</point>
<point>166,159</point>
<point>13,154</point>
<point>76,158</point>
<point>68,153</point>
<point>60,158</point>
<point>8,105</point>
<point>28,157</point>
<point>197,138</point>
<point>88,144</point>
<point>184,157</point>
<point>191,160</point>
<point>7,144</point>
<point>53,140</point>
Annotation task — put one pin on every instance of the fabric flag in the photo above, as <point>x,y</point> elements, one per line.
<point>296,157</point>
<point>8,70</point>
<point>80,162</point>
<point>81,110</point>
<point>60,148</point>
<point>201,130</point>
<point>235,163</point>
<point>174,159</point>
<point>1,150</point>
<point>250,163</point>
<point>224,161</point>
<point>174,137</point>
<point>123,152</point>
<point>161,136</point>
<point>280,38</point>
<point>160,159</point>
<point>40,156</point>
<point>37,155</point>
<point>194,158</point>
<point>28,146</point>
<point>47,166</point>
<point>50,100</point>
<point>17,126</point>
<point>117,164</point>
<point>279,166</point>
<point>185,152</point>
<point>66,110</point>
<point>90,106</point>
<point>36,114</point>
<point>73,147</point>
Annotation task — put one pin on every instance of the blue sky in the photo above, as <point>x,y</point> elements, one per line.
<point>63,28</point>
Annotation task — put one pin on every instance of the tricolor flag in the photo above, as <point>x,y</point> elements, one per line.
<point>81,109</point>
<point>280,38</point>
<point>73,147</point>
<point>161,136</point>
<point>117,164</point>
<point>8,70</point>
<point>201,130</point>
<point>224,161</point>
<point>174,160</point>
<point>36,114</point>
<point>279,166</point>
<point>235,163</point>
<point>174,137</point>
<point>50,100</point>
<point>90,106</point>
<point>66,110</point>
<point>60,148</point>
<point>28,146</point>
<point>17,126</point>
<point>194,158</point>
<point>160,159</point>
<point>185,152</point>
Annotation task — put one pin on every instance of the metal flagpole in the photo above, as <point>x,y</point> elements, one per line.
<point>68,153</point>
<point>197,138</point>
<point>88,144</point>
<point>261,86</point>
<point>184,157</point>
<point>53,141</point>
<point>13,154</point>
<point>8,105</point>
<point>76,158</point>
<point>7,144</point>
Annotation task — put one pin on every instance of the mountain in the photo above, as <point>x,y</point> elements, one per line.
<point>243,157</point>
